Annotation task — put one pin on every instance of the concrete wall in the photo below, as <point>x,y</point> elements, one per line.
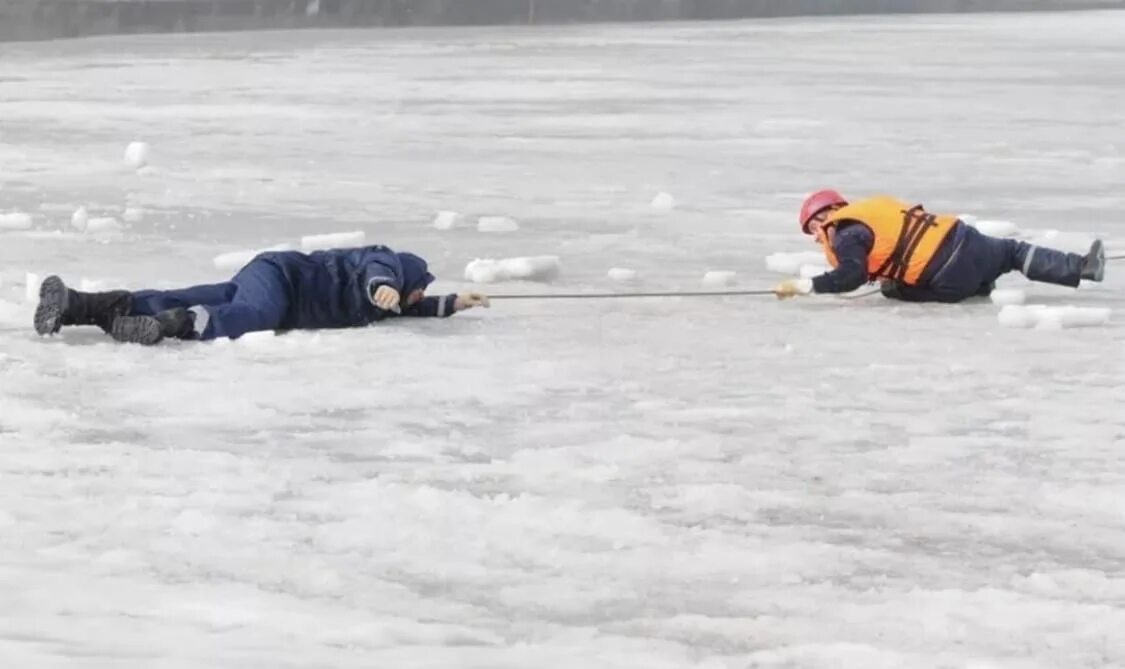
<point>46,19</point>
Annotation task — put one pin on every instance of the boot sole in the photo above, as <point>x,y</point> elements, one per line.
<point>53,297</point>
<point>143,330</point>
<point>1099,253</point>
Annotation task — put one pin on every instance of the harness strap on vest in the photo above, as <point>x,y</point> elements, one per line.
<point>915,224</point>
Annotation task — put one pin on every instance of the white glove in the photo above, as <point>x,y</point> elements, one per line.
<point>387,298</point>
<point>469,300</point>
<point>792,288</point>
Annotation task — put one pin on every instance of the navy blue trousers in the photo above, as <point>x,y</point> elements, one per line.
<point>257,298</point>
<point>978,260</point>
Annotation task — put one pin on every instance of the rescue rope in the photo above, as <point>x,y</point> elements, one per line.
<point>581,296</point>
<point>708,293</point>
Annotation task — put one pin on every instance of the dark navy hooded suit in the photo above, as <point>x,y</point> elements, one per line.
<point>289,290</point>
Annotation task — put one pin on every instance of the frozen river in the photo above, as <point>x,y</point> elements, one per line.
<point>706,483</point>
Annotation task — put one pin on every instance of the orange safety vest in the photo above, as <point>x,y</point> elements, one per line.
<point>906,237</point>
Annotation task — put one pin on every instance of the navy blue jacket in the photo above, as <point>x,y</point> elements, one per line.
<point>335,288</point>
<point>853,242</point>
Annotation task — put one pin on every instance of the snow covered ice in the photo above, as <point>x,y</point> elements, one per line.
<point>719,278</point>
<point>663,202</point>
<point>697,483</point>
<point>534,268</point>
<point>335,240</point>
<point>497,224</point>
<point>447,220</point>
<point>137,154</point>
<point>1052,318</point>
<point>15,221</point>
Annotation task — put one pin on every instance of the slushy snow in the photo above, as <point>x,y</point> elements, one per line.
<point>533,268</point>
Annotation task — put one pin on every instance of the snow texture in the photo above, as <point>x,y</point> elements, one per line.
<point>137,155</point>
<point>102,224</point>
<point>15,221</point>
<point>133,215</point>
<point>809,271</point>
<point>698,483</point>
<point>1008,296</point>
<point>1052,318</point>
<point>80,219</point>
<point>233,260</point>
<point>447,220</point>
<point>335,240</point>
<point>719,278</point>
<point>663,202</point>
<point>535,268</point>
<point>497,224</point>
<point>792,263</point>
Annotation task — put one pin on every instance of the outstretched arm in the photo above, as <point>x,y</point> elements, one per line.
<point>852,244</point>
<point>444,306</point>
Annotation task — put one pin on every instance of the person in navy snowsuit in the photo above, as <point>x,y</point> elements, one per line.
<point>282,290</point>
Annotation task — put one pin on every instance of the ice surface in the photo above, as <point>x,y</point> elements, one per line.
<point>718,278</point>
<point>1007,296</point>
<point>101,224</point>
<point>335,240</point>
<point>809,271</point>
<point>80,219</point>
<point>997,228</point>
<point>622,274</point>
<point>695,483</point>
<point>791,263</point>
<point>15,221</point>
<point>137,155</point>
<point>233,260</point>
<point>1051,317</point>
<point>663,202</point>
<point>31,285</point>
<point>534,268</point>
<point>133,215</point>
<point>497,224</point>
<point>447,220</point>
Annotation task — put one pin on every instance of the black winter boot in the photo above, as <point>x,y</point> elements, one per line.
<point>150,330</point>
<point>59,306</point>
<point>1093,263</point>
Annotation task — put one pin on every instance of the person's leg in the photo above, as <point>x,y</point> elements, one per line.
<point>1039,263</point>
<point>152,302</point>
<point>61,305</point>
<point>259,301</point>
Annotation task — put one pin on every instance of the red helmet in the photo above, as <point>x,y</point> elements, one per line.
<point>816,203</point>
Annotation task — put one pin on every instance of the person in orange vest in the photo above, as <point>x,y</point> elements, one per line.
<point>922,257</point>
